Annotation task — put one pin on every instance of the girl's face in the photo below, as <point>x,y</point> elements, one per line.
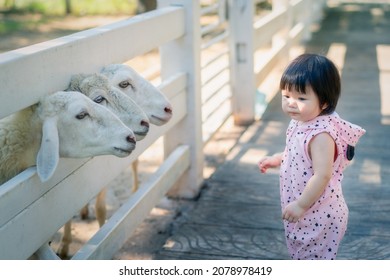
<point>301,106</point>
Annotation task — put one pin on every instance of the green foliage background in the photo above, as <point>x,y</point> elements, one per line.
<point>79,7</point>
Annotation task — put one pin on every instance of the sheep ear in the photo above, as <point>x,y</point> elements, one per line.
<point>48,154</point>
<point>75,82</point>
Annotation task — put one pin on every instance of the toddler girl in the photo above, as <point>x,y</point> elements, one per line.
<point>319,145</point>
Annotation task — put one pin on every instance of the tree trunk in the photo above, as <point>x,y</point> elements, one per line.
<point>68,7</point>
<point>146,6</point>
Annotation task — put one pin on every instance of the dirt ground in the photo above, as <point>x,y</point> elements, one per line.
<point>33,28</point>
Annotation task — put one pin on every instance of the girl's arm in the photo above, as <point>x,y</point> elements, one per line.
<point>321,151</point>
<point>270,162</point>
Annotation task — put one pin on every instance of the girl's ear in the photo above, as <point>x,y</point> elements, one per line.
<point>48,154</point>
<point>324,106</point>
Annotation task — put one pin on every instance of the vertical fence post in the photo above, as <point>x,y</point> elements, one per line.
<point>241,13</point>
<point>308,20</point>
<point>183,55</point>
<point>318,10</point>
<point>279,4</point>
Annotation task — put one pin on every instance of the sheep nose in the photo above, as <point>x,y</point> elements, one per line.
<point>144,123</point>
<point>130,139</point>
<point>168,110</point>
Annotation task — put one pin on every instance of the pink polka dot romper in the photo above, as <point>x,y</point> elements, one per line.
<point>318,233</point>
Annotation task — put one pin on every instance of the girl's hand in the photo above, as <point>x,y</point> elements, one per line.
<point>293,212</point>
<point>269,162</point>
<point>263,164</point>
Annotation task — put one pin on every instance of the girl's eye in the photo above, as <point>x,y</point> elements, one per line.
<point>124,84</point>
<point>99,99</point>
<point>82,115</point>
<point>301,99</point>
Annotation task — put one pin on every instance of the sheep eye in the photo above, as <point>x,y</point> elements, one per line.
<point>99,99</point>
<point>124,84</point>
<point>82,115</point>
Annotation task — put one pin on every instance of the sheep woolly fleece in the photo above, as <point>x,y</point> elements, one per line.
<point>18,140</point>
<point>33,135</point>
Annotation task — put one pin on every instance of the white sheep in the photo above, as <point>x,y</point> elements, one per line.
<point>148,97</point>
<point>62,124</point>
<point>158,110</point>
<point>151,100</point>
<point>97,88</point>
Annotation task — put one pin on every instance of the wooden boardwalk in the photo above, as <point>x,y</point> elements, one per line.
<point>237,215</point>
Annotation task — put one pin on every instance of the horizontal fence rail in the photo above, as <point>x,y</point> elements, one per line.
<point>53,62</point>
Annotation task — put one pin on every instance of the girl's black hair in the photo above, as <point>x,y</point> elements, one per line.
<point>317,71</point>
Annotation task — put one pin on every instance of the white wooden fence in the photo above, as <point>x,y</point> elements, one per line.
<point>31,211</point>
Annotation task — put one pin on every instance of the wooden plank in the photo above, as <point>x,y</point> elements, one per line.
<point>111,237</point>
<point>210,242</point>
<point>267,26</point>
<point>357,247</point>
<point>173,255</point>
<point>213,72</point>
<point>229,213</point>
<point>220,97</point>
<point>216,120</point>
<point>364,247</point>
<point>244,192</point>
<point>47,67</point>
<point>25,188</point>
<point>298,8</point>
<point>384,81</point>
<point>266,65</point>
<point>173,85</point>
<point>296,34</point>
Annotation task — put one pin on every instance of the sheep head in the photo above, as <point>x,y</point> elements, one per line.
<point>97,87</point>
<point>148,97</point>
<point>74,126</point>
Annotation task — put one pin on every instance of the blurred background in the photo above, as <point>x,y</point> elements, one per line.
<point>26,22</point>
